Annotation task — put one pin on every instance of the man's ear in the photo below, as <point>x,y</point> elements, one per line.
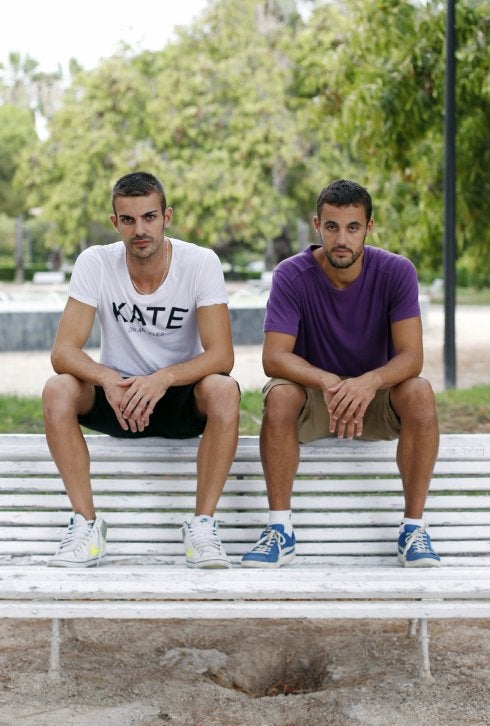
<point>113,219</point>
<point>167,215</point>
<point>370,226</point>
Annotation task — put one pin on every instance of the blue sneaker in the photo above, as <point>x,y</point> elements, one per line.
<point>415,548</point>
<point>273,549</point>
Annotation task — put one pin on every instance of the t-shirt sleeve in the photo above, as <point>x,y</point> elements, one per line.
<point>282,314</point>
<point>405,292</point>
<point>86,277</point>
<point>211,288</point>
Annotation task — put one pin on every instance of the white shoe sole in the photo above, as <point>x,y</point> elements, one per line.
<point>269,565</point>
<point>70,563</point>
<point>210,565</point>
<point>424,562</point>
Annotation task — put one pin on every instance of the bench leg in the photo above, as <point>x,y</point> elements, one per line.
<point>412,628</point>
<point>424,668</point>
<point>54,661</point>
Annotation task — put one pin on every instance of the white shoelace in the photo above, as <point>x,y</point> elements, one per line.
<point>205,540</point>
<point>419,540</point>
<point>77,532</point>
<point>266,543</point>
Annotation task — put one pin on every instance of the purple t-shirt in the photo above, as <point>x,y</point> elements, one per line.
<point>346,332</point>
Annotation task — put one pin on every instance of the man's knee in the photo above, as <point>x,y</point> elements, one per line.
<point>218,395</point>
<point>414,399</point>
<point>64,393</point>
<point>284,403</point>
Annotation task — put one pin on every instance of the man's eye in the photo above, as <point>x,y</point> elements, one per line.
<point>151,216</point>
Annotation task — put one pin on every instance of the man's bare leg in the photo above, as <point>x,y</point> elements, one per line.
<point>279,444</point>
<point>64,397</point>
<point>218,398</point>
<point>414,403</point>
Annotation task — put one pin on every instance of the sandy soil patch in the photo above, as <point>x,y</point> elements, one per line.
<point>244,673</point>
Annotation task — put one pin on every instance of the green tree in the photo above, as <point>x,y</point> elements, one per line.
<point>251,111</point>
<point>94,137</point>
<point>209,114</point>
<point>227,140</point>
<point>17,132</point>
<point>376,75</point>
<point>27,97</point>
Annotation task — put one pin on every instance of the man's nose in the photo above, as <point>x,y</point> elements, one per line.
<point>342,237</point>
<point>139,226</point>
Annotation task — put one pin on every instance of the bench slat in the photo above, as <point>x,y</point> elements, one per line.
<point>252,468</point>
<point>162,533</point>
<point>185,503</point>
<point>311,486</point>
<point>450,561</point>
<point>25,446</point>
<point>174,547</point>
<point>238,609</point>
<point>113,582</point>
<point>252,518</point>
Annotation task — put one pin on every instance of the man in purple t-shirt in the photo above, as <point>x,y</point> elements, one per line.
<point>343,347</point>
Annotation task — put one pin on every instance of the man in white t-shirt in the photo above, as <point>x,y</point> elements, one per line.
<point>166,354</point>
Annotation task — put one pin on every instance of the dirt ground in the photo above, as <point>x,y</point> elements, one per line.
<point>254,673</point>
<point>244,673</point>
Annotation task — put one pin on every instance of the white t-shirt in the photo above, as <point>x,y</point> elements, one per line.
<point>142,333</point>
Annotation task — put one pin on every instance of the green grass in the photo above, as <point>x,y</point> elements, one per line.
<point>250,412</point>
<point>19,415</point>
<point>460,411</point>
<point>464,411</point>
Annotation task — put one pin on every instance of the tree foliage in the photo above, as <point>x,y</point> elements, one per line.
<point>251,110</point>
<point>377,75</point>
<point>16,133</point>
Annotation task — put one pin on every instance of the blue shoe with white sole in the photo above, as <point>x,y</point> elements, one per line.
<point>273,549</point>
<point>415,548</point>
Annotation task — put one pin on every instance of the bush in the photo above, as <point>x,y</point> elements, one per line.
<point>7,272</point>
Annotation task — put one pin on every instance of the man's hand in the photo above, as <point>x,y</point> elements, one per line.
<point>139,396</point>
<point>347,403</point>
<point>114,394</point>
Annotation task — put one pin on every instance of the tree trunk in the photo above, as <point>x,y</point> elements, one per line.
<point>19,250</point>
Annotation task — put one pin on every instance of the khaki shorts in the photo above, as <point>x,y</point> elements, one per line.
<point>380,420</point>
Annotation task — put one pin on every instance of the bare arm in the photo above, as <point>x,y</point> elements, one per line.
<point>68,356</point>
<point>141,393</point>
<point>279,361</point>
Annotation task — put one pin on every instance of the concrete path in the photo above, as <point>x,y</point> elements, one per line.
<point>25,373</point>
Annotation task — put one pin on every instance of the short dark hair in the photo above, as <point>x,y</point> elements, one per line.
<point>139,184</point>
<point>341,193</point>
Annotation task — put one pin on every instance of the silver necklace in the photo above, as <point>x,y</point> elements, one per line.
<point>165,271</point>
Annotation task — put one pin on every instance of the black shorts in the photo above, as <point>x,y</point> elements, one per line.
<point>174,417</point>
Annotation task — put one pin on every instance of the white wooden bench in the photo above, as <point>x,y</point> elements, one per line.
<point>347,507</point>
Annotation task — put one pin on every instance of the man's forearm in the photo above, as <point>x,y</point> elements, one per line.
<point>195,369</point>
<point>68,359</point>
<point>294,368</point>
<point>400,368</point>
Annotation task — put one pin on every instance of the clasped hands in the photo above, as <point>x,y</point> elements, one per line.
<point>347,402</point>
<point>134,399</point>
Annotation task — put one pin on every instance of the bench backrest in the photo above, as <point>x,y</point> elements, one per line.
<point>347,499</point>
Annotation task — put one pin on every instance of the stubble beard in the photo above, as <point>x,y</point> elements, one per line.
<point>343,264</point>
<point>154,247</point>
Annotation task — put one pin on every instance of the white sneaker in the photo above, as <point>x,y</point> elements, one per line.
<point>83,544</point>
<point>203,547</point>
